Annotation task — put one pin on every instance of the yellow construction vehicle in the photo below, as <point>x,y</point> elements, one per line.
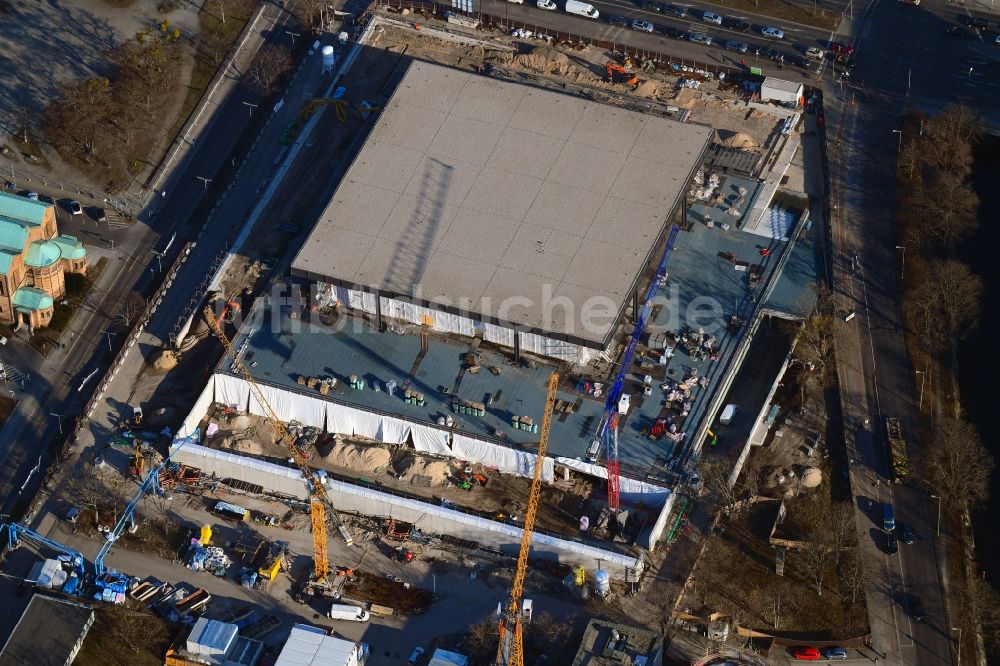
<point>319,500</point>
<point>340,106</point>
<point>510,651</point>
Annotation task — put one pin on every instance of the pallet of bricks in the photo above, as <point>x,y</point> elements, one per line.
<point>525,423</point>
<point>414,398</point>
<point>469,408</point>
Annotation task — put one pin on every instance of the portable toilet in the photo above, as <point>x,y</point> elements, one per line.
<point>728,414</point>
<point>206,535</point>
<point>602,583</point>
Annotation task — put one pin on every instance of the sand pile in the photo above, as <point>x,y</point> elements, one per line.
<point>358,456</point>
<point>549,61</point>
<point>651,89</point>
<point>165,360</point>
<point>738,140</point>
<point>240,444</point>
<point>411,466</point>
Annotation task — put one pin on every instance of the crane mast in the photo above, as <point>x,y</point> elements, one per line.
<point>607,429</point>
<point>510,651</point>
<point>318,496</point>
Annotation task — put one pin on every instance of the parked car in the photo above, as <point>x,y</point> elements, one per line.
<point>888,517</point>
<point>906,534</point>
<point>773,33</point>
<point>979,23</point>
<point>840,49</point>
<point>733,45</point>
<point>415,656</point>
<point>516,2</point>
<point>676,10</point>
<point>709,17</point>
<point>815,53</point>
<point>805,653</point>
<point>642,26</point>
<point>700,38</point>
<point>834,653</point>
<point>547,5</point>
<point>891,545</point>
<point>32,195</point>
<point>674,33</point>
<point>736,24</point>
<point>623,21</point>
<point>960,32</point>
<point>98,214</point>
<point>75,208</point>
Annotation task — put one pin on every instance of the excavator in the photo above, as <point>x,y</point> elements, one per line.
<point>510,651</point>
<point>318,582</point>
<point>614,68</point>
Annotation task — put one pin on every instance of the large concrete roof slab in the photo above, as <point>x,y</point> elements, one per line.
<point>475,190</point>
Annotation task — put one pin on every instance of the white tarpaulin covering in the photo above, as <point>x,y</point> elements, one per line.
<point>445,322</point>
<point>503,458</point>
<point>232,392</point>
<point>290,406</point>
<point>430,440</point>
<point>345,420</point>
<point>627,486</point>
<point>395,431</point>
<point>200,408</point>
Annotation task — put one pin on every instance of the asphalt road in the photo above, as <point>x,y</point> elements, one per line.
<point>906,55</point>
<point>797,37</point>
<point>907,58</point>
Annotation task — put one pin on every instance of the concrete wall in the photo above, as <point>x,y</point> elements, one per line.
<point>429,518</point>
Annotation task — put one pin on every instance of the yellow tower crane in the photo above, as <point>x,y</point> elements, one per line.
<point>510,651</point>
<point>318,496</point>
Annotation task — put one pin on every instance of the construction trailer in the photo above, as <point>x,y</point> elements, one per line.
<point>787,93</point>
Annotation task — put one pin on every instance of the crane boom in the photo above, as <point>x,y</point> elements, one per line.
<point>607,428</point>
<point>510,651</point>
<point>318,496</point>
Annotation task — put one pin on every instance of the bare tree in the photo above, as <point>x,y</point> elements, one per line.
<point>842,534</point>
<point>221,6</point>
<point>949,138</point>
<point>309,11</point>
<point>945,307</point>
<point>854,576</point>
<point>981,612</point>
<point>482,641</point>
<point>266,70</point>
<point>27,122</point>
<point>129,310</point>
<point>814,345</point>
<point>957,465</point>
<point>715,474</point>
<point>816,556</point>
<point>75,121</point>
<point>552,629</point>
<point>949,210</point>
<point>137,630</point>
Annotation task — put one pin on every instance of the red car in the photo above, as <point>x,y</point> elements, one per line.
<point>841,49</point>
<point>805,653</point>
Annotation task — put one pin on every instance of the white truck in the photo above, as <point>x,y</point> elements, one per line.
<point>350,613</point>
<point>582,9</point>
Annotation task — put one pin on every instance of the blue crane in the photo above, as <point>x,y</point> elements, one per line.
<point>150,484</point>
<point>608,425</point>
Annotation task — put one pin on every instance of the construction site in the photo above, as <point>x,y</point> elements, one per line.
<point>494,306</point>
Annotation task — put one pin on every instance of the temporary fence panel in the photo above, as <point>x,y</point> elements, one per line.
<point>200,408</point>
<point>232,392</point>
<point>631,489</point>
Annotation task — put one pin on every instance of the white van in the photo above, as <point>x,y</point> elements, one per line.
<point>581,9</point>
<point>350,613</point>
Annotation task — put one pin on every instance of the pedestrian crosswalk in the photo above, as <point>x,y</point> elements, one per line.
<point>116,220</point>
<point>9,373</point>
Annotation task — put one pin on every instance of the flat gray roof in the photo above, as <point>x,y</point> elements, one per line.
<point>50,631</point>
<point>470,192</point>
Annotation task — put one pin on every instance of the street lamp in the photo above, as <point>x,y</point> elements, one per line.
<point>938,498</point>
<point>959,630</point>
<point>251,107</point>
<point>920,402</point>
<point>902,265</point>
<point>900,133</point>
<point>204,180</point>
<point>60,417</point>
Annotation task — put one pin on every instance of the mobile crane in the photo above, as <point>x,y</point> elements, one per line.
<point>319,500</point>
<point>510,650</point>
